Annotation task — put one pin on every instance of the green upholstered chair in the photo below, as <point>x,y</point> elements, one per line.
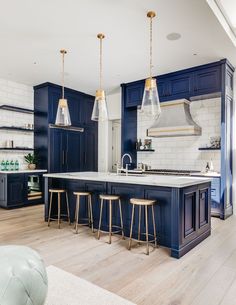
<point>23,277</point>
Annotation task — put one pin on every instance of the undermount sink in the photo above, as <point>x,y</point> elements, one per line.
<point>129,175</point>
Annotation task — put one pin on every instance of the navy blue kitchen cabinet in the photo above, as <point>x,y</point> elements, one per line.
<point>16,190</point>
<point>215,196</point>
<point>63,150</point>
<point>205,81</point>
<point>187,83</point>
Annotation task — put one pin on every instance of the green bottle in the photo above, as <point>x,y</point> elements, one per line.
<point>16,165</point>
<point>12,165</point>
<point>7,165</point>
<point>3,165</point>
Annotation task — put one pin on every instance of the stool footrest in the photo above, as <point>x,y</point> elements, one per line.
<point>113,232</point>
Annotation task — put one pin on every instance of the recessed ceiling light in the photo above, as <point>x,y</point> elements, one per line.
<point>173,36</point>
<point>194,54</point>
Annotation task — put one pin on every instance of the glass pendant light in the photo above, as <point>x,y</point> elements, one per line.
<point>100,104</point>
<point>150,103</point>
<point>63,114</point>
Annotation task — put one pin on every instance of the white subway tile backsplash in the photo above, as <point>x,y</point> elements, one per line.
<point>19,95</point>
<point>182,152</point>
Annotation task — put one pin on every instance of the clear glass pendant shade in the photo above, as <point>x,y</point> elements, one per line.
<point>150,103</point>
<point>63,114</point>
<point>100,112</point>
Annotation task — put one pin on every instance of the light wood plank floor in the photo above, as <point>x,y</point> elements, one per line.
<point>205,276</point>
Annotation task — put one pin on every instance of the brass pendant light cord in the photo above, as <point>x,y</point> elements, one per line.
<point>63,52</point>
<point>100,84</point>
<point>151,47</point>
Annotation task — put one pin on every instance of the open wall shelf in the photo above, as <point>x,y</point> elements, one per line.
<point>209,148</point>
<point>16,149</point>
<point>145,150</point>
<point>16,109</point>
<point>16,128</point>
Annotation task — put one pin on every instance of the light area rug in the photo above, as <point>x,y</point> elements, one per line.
<point>67,289</point>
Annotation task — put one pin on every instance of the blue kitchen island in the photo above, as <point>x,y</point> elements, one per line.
<point>182,211</point>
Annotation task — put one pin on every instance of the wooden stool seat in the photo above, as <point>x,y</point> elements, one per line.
<point>145,204</point>
<point>109,197</point>
<point>138,201</point>
<point>89,219</point>
<point>57,191</point>
<point>82,193</point>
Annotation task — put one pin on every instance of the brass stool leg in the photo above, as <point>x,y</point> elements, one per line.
<point>154,226</point>
<point>77,214</point>
<point>50,209</point>
<point>139,221</point>
<point>59,210</point>
<point>91,212</point>
<point>100,219</point>
<point>146,222</point>
<point>121,220</point>
<point>68,210</point>
<point>131,228</point>
<point>110,221</point>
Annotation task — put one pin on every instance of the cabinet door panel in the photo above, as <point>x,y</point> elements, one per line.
<point>16,189</point>
<point>73,151</point>
<point>180,86</point>
<point>207,81</point>
<point>90,151</point>
<point>134,95</point>
<point>57,151</point>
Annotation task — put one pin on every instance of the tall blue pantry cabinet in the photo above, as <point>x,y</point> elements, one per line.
<point>64,150</point>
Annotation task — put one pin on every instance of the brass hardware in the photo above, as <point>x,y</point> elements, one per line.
<point>150,83</point>
<point>110,199</point>
<point>100,36</point>
<point>146,204</point>
<point>63,103</point>
<point>89,209</point>
<point>151,14</point>
<point>58,192</point>
<point>63,51</point>
<point>100,94</point>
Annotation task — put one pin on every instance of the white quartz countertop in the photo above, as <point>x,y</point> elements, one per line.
<point>24,171</point>
<point>154,180</point>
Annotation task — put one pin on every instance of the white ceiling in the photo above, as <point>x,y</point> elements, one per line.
<point>33,31</point>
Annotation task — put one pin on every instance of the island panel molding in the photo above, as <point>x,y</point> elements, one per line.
<point>182,211</point>
<point>205,81</point>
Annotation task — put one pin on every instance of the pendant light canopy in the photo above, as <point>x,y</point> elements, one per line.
<point>63,114</point>
<point>100,112</point>
<point>150,103</point>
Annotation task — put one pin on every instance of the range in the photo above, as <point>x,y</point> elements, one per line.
<point>171,172</point>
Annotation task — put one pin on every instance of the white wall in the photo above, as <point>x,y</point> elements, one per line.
<point>19,95</point>
<point>182,152</point>
<point>104,131</point>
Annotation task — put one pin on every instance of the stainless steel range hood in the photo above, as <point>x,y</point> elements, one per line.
<point>175,120</point>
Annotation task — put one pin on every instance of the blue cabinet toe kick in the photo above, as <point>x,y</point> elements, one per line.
<point>182,214</point>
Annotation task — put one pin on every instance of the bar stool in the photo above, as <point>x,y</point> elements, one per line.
<point>58,192</point>
<point>89,207</point>
<point>111,199</point>
<point>146,203</point>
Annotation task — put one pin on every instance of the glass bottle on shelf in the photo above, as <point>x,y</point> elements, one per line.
<point>3,165</point>
<point>12,165</point>
<point>16,165</point>
<point>7,165</point>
